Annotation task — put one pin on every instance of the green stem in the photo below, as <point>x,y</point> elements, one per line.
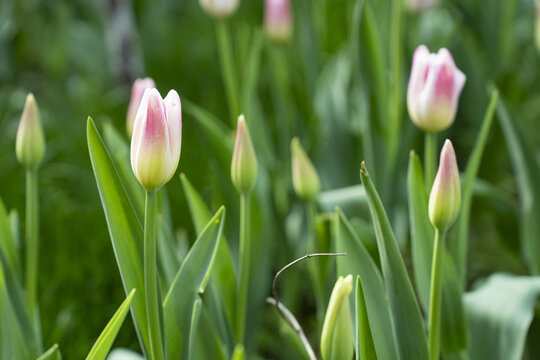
<point>227,69</point>
<point>435,296</point>
<point>313,266</point>
<point>245,249</point>
<point>150,278</point>
<point>430,148</point>
<point>32,240</point>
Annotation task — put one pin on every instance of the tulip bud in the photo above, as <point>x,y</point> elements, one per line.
<point>434,88</point>
<point>244,161</point>
<point>137,92</point>
<point>157,138</point>
<point>305,179</point>
<point>421,5</point>
<point>219,8</point>
<point>278,19</point>
<point>445,198</point>
<point>337,338</point>
<point>30,144</point>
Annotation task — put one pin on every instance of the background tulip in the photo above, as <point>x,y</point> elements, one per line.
<point>434,88</point>
<point>137,92</point>
<point>219,8</point>
<point>278,19</point>
<point>305,179</point>
<point>156,141</point>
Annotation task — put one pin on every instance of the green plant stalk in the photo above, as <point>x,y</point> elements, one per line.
<point>244,256</point>
<point>435,296</point>
<point>313,266</point>
<point>430,149</point>
<point>227,69</point>
<point>32,240</point>
<point>150,278</point>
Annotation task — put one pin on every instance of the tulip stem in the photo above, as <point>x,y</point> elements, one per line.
<point>430,148</point>
<point>150,278</point>
<point>228,69</point>
<point>244,256</point>
<point>435,296</point>
<point>314,267</point>
<point>32,240</point>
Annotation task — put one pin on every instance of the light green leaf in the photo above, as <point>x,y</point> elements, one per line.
<point>365,349</point>
<point>359,262</point>
<point>527,170</point>
<point>194,327</point>
<point>499,313</point>
<point>106,339</point>
<point>408,322</point>
<point>124,227</point>
<point>223,275</point>
<point>7,243</point>
<point>52,354</point>
<point>178,304</point>
<point>458,245</point>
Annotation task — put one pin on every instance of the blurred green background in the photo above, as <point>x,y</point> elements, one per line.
<point>79,58</point>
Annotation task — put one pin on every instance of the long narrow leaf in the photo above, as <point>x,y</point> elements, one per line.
<point>406,315</point>
<point>124,227</point>
<point>52,354</point>
<point>104,342</point>
<point>365,349</point>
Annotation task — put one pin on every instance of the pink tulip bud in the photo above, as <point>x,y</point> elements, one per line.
<point>219,8</point>
<point>420,5</point>
<point>278,19</point>
<point>244,161</point>
<point>445,197</point>
<point>137,92</point>
<point>157,137</point>
<point>434,88</point>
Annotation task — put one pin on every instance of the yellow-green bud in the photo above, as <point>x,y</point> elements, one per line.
<point>30,144</point>
<point>305,179</point>
<point>244,161</point>
<point>337,338</point>
<point>445,198</point>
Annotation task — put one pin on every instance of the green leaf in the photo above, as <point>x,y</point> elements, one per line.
<point>193,327</point>
<point>453,325</point>
<point>124,227</point>
<point>527,170</point>
<point>178,304</point>
<point>458,245</point>
<point>499,313</point>
<point>105,341</point>
<point>359,262</point>
<point>52,354</point>
<point>365,349</point>
<point>7,243</point>
<point>223,275</point>
<point>408,322</point>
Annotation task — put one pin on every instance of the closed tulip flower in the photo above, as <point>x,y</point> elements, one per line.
<point>30,143</point>
<point>445,197</point>
<point>156,141</point>
<point>137,92</point>
<point>219,8</point>
<point>305,179</point>
<point>244,161</point>
<point>278,19</point>
<point>434,88</point>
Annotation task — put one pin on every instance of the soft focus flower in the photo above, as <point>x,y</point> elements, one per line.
<point>137,92</point>
<point>278,19</point>
<point>305,179</point>
<point>419,5</point>
<point>30,144</point>
<point>434,88</point>
<point>244,161</point>
<point>445,197</point>
<point>337,338</point>
<point>157,137</point>
<point>219,8</point>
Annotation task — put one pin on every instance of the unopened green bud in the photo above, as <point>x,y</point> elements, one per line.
<point>305,179</point>
<point>445,198</point>
<point>30,144</point>
<point>337,338</point>
<point>244,161</point>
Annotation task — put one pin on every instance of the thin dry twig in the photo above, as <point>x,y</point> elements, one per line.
<point>284,312</point>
